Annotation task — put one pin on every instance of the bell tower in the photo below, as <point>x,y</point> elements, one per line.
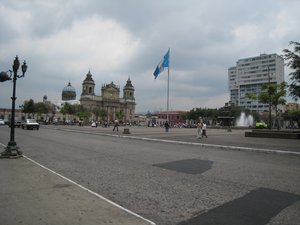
<point>88,85</point>
<point>128,91</point>
<point>129,100</point>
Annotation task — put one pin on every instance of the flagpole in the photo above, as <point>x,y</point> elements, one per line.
<point>168,89</point>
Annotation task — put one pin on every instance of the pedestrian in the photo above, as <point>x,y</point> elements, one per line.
<point>116,125</point>
<point>167,126</point>
<point>204,129</point>
<point>199,129</point>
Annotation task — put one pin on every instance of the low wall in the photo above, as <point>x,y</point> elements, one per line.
<point>285,134</point>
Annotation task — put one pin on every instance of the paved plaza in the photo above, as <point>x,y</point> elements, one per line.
<point>218,138</point>
<point>30,188</point>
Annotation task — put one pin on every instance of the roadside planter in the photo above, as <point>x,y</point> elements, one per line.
<point>126,131</point>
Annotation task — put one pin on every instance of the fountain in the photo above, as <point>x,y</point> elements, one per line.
<point>244,121</point>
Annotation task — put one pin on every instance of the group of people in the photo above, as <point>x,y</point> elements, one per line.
<point>201,129</point>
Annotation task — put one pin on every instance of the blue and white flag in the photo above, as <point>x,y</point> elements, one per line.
<point>164,63</point>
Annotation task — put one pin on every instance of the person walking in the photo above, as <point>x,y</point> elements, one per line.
<point>204,129</point>
<point>199,129</point>
<point>116,125</point>
<point>167,126</point>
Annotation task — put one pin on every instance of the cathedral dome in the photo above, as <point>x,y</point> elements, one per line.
<point>68,93</point>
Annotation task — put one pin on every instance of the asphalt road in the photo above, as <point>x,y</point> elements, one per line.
<point>171,183</point>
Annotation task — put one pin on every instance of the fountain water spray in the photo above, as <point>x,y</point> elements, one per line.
<point>244,121</point>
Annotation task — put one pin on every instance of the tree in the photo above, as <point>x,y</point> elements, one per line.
<point>82,113</point>
<point>293,58</point>
<point>98,112</point>
<point>103,114</point>
<point>250,95</point>
<point>41,108</point>
<point>210,115</point>
<point>68,109</point>
<point>28,107</point>
<point>273,94</point>
<point>293,116</point>
<point>120,115</point>
<point>233,111</point>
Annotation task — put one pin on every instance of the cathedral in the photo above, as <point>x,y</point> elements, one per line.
<point>116,107</point>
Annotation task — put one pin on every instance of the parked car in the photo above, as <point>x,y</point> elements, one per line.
<point>18,123</point>
<point>30,124</point>
<point>2,122</point>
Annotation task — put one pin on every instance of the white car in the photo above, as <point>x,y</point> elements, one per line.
<point>2,122</point>
<point>30,124</point>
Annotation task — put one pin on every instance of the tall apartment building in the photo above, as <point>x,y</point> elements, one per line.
<point>250,74</point>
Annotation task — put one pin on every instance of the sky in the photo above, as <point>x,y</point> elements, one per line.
<point>61,40</point>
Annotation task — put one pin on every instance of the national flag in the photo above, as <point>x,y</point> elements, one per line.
<point>164,63</point>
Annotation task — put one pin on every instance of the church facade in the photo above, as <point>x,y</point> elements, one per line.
<point>110,101</point>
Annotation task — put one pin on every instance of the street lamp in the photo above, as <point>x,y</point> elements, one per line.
<point>12,150</point>
<point>270,116</point>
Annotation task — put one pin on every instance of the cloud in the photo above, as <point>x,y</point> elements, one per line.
<point>61,41</point>
<point>92,43</point>
<point>246,34</point>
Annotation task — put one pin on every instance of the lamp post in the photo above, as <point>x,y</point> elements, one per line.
<point>12,150</point>
<point>270,116</point>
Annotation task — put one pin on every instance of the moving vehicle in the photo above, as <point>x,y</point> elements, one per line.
<point>30,124</point>
<point>261,125</point>
<point>2,122</point>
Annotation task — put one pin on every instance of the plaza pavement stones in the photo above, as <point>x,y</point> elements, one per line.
<point>32,194</point>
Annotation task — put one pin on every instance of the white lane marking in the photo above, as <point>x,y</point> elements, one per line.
<point>238,148</point>
<point>88,190</point>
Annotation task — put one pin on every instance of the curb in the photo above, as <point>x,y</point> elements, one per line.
<point>259,150</point>
<point>225,147</point>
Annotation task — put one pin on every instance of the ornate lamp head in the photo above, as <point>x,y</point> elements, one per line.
<point>24,68</point>
<point>16,64</point>
<point>4,77</point>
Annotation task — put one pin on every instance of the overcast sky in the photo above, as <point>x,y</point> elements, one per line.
<point>61,40</point>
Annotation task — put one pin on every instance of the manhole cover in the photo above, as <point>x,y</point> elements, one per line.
<point>190,166</point>
<point>255,208</point>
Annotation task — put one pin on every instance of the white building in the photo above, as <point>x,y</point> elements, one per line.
<point>250,74</point>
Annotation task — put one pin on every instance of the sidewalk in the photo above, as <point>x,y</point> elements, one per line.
<point>30,194</point>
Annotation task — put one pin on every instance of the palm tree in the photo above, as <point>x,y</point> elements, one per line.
<point>293,58</point>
